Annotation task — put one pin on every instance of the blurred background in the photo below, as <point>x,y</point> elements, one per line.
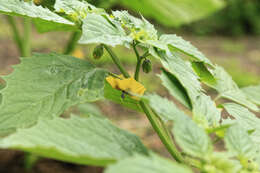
<point>226,31</point>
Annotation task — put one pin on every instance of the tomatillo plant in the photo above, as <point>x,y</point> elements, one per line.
<point>43,86</point>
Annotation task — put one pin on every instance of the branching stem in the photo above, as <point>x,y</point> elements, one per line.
<point>117,62</point>
<point>139,61</point>
<point>157,125</point>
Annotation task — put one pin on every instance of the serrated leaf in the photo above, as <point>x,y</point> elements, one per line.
<point>184,46</point>
<point>245,118</point>
<point>239,143</point>
<point>228,89</point>
<point>29,9</point>
<point>164,108</point>
<point>253,93</point>
<point>45,85</point>
<point>183,72</point>
<point>77,10</point>
<point>175,88</point>
<point>205,111</point>
<point>191,138</point>
<point>88,141</point>
<point>100,29</point>
<point>142,164</point>
<point>221,162</point>
<point>140,29</point>
<point>174,12</point>
<point>119,97</point>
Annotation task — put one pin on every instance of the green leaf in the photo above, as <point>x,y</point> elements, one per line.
<point>29,9</point>
<point>177,43</point>
<point>88,141</point>
<point>205,111</point>
<point>139,29</point>
<point>221,162</point>
<point>204,74</point>
<point>228,89</point>
<point>175,88</point>
<point>47,26</point>
<point>245,119</point>
<point>183,72</point>
<point>45,85</point>
<point>239,143</point>
<point>253,93</point>
<point>75,9</point>
<point>125,100</point>
<point>100,29</point>
<point>142,164</point>
<point>191,138</point>
<point>87,109</point>
<point>174,12</point>
<point>165,108</point>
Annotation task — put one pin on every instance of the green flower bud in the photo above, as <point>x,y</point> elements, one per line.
<point>98,51</point>
<point>147,66</point>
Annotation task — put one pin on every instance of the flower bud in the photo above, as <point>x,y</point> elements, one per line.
<point>98,51</point>
<point>147,66</point>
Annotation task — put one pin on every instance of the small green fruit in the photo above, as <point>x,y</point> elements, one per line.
<point>147,66</point>
<point>98,51</point>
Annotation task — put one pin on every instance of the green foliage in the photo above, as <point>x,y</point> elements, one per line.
<point>178,43</point>
<point>59,81</point>
<point>43,86</point>
<point>175,88</point>
<point>99,29</point>
<point>90,140</point>
<point>192,139</point>
<point>42,16</point>
<point>228,89</point>
<point>253,93</point>
<point>239,142</point>
<point>152,164</point>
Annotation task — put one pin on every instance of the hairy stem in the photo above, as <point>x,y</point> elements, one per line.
<point>71,45</point>
<point>117,62</point>
<point>27,37</point>
<point>16,35</point>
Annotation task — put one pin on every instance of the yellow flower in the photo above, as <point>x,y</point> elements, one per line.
<point>128,85</point>
<point>78,54</point>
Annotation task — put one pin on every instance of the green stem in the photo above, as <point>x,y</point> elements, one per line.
<point>117,62</point>
<point>162,133</point>
<point>71,45</point>
<point>27,37</point>
<point>30,160</point>
<point>16,35</point>
<point>158,126</point>
<point>139,62</point>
